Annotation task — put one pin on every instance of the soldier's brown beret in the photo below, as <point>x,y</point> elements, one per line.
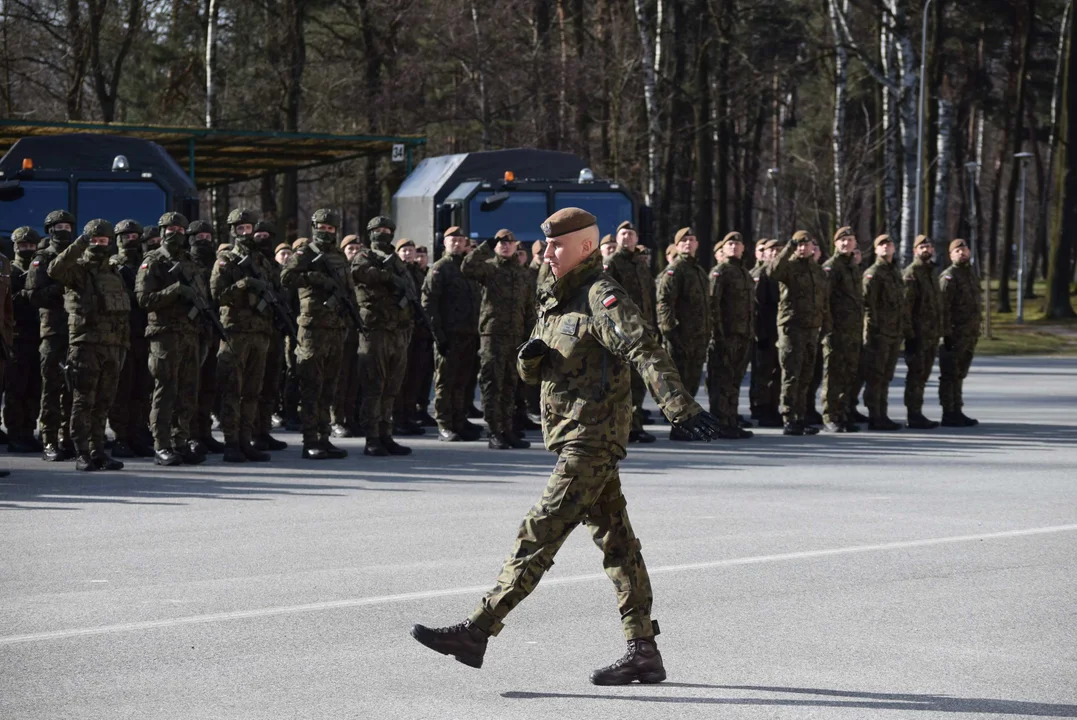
<point>801,236</point>
<point>958,243</point>
<point>505,234</point>
<point>671,250</point>
<point>403,242</point>
<point>568,220</point>
<point>281,246</point>
<point>421,250</point>
<point>844,231</point>
<point>300,242</point>
<point>348,240</point>
<point>683,233</point>
<point>626,225</point>
<point>731,237</point>
<point>608,240</point>
<point>767,243</point>
<point>454,231</point>
<point>881,240</point>
<point>537,248</point>
<point>921,240</point>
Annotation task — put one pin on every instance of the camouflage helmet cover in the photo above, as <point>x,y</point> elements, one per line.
<point>124,227</point>
<point>151,231</point>
<point>381,221</point>
<point>172,218</point>
<point>264,226</point>
<point>199,226</point>
<point>58,216</point>
<point>25,234</point>
<point>324,216</point>
<point>99,228</point>
<point>240,216</point>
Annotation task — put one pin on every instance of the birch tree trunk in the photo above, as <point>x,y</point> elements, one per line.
<point>1042,221</point>
<point>944,155</point>
<point>890,134</point>
<point>1065,228</point>
<point>218,198</point>
<point>837,135</point>
<point>909,74</point>
<point>484,102</point>
<point>653,129</point>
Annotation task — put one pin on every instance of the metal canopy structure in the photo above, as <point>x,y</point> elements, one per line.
<point>213,157</point>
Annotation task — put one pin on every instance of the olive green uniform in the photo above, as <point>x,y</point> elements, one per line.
<point>99,315</point>
<point>269,395</point>
<point>632,271</point>
<point>765,391</point>
<point>208,342</point>
<point>453,308</point>
<point>961,312</point>
<point>684,318</point>
<point>923,302</point>
<point>174,330</point>
<point>507,304</point>
<point>22,380</point>
<point>130,413</point>
<point>420,360</point>
<point>803,312</point>
<point>884,330</point>
<point>47,296</point>
<point>732,309</point>
<point>594,333</point>
<point>7,321</point>
<point>843,345</point>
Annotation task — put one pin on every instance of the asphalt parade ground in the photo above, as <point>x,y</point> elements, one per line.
<point>900,575</point>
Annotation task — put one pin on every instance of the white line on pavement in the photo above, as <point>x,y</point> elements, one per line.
<point>428,594</point>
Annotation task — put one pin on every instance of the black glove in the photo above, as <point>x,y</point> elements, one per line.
<point>254,285</point>
<point>533,348</point>
<point>702,426</point>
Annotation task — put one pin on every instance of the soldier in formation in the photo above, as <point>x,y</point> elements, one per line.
<point>923,302</point>
<point>22,378</point>
<point>842,345</point>
<point>885,323</point>
<point>961,312</point>
<point>732,309</point>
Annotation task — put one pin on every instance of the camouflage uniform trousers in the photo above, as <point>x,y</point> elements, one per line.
<point>919,365</point>
<point>269,395</point>
<point>452,372</point>
<point>639,394</point>
<point>764,393</point>
<point>22,395</point>
<point>880,361</point>
<point>797,348</point>
<point>130,413</point>
<point>688,357</point>
<point>954,364</point>
<point>383,362</point>
<point>241,365</point>
<point>174,366</point>
<point>208,399</point>
<point>290,393</point>
<point>726,364</point>
<point>317,358</point>
<point>55,395</point>
<point>816,380</point>
<point>95,373</point>
<point>420,359</point>
<point>498,378</point>
<point>343,410</point>
<point>584,487</point>
<point>841,360</point>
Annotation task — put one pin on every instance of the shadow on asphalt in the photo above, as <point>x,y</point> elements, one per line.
<point>828,699</point>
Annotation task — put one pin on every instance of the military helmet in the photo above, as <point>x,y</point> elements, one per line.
<point>172,218</point>
<point>381,221</point>
<point>324,216</point>
<point>123,227</point>
<point>264,226</point>
<point>151,231</point>
<point>58,216</point>
<point>99,228</point>
<point>239,216</point>
<point>199,226</point>
<point>25,234</point>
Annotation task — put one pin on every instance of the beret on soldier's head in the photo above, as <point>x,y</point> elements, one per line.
<point>731,237</point>
<point>454,231</point>
<point>767,243</point>
<point>403,242</point>
<point>922,240</point>
<point>537,248</point>
<point>608,240</point>
<point>801,236</point>
<point>505,234</point>
<point>567,220</point>
<point>348,240</point>
<point>683,233</point>
<point>881,240</point>
<point>626,225</point>
<point>281,246</point>
<point>844,231</point>
<point>957,243</point>
<point>299,242</point>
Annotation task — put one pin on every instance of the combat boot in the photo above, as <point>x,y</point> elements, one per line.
<point>465,642</point>
<point>679,435</point>
<point>67,446</point>
<point>333,451</point>
<point>103,462</point>
<point>374,448</point>
<point>85,463</point>
<point>211,445</point>
<point>809,429</point>
<point>792,427</point>
<point>470,432</point>
<point>833,427</point>
<point>958,419</point>
<point>641,436</point>
<point>743,422</point>
<point>851,426</point>
<point>883,423</point>
<point>52,452</point>
<point>265,441</point>
<point>917,421</point>
<point>445,435</point>
<point>393,446</point>
<point>166,456</point>
<point>425,419</point>
<point>408,428</point>
<point>858,417</point>
<point>812,417</point>
<point>232,454</point>
<point>251,453</point>
<point>314,451</point>
<point>523,422</point>
<point>497,442</point>
<point>121,449</point>
<point>969,422</point>
<point>142,449</point>
<point>516,443</point>
<point>339,431</point>
<point>642,662</point>
<point>188,451</point>
<point>473,413</point>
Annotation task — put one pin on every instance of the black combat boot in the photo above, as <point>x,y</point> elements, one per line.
<point>523,422</point>
<point>67,446</point>
<point>85,463</point>
<point>641,436</point>
<point>333,451</point>
<point>809,429</point>
<point>917,421</point>
<point>743,422</point>
<point>232,453</point>
<point>470,432</point>
<point>103,462</point>
<point>883,423</point>
<point>858,417</point>
<point>850,426</point>
<point>314,451</point>
<point>969,422</point>
<point>464,642</point>
<point>166,456</point>
<point>445,435</point>
<point>812,417</point>
<point>408,428</point>
<point>497,442</point>
<point>52,452</point>
<point>835,427</point>
<point>792,427</point>
<point>374,448</point>
<point>473,413</point>
<point>251,453</point>
<point>188,451</point>
<point>516,443</point>
<point>121,449</point>
<point>265,441</point>
<point>211,445</point>
<point>424,418</point>
<point>641,663</point>
<point>393,446</point>
<point>339,431</point>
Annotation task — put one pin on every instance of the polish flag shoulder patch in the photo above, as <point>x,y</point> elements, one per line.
<point>144,266</point>
<point>947,277</point>
<point>669,272</point>
<point>827,268</point>
<point>35,263</point>
<point>609,301</point>
<point>869,276</point>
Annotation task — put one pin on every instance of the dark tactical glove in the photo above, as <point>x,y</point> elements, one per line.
<point>186,292</point>
<point>533,348</point>
<point>702,426</point>
<point>253,285</point>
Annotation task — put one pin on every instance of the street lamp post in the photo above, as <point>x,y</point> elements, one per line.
<point>1023,158</point>
<point>920,122</point>
<point>772,173</point>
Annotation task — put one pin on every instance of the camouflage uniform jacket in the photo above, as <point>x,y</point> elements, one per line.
<point>884,301</point>
<point>508,302</point>
<point>594,333</point>
<point>732,295</point>
<point>961,308</point>
<point>46,294</point>
<point>127,262</point>
<point>7,309</point>
<point>448,299</point>
<point>27,322</point>
<point>846,296</point>
<point>923,301</point>
<point>632,272</point>
<point>318,306</point>
<point>159,294</point>
<point>767,293</point>
<point>382,283</point>
<point>242,309</point>
<point>98,306</point>
<point>683,307</point>
<point>805,292</point>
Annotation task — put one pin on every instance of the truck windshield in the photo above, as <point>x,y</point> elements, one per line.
<point>522,213</point>
<point>143,202</point>
<point>30,202</point>
<point>611,208</point>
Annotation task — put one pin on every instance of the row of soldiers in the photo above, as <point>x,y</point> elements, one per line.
<point>801,323</point>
